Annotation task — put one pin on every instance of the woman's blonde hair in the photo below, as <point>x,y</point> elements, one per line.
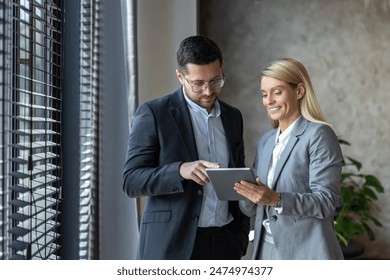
<point>294,73</point>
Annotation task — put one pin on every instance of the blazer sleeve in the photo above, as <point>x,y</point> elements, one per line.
<point>143,172</point>
<point>324,162</point>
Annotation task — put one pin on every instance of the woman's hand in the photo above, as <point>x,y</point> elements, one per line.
<point>257,193</point>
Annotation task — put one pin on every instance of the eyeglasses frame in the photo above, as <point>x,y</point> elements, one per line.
<point>208,84</point>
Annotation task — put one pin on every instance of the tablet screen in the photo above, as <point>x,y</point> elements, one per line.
<point>223,180</point>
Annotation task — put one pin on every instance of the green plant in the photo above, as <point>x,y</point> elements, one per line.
<point>358,192</point>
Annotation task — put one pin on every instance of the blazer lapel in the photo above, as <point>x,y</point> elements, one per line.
<point>283,158</point>
<point>267,154</point>
<point>298,130</point>
<point>181,116</point>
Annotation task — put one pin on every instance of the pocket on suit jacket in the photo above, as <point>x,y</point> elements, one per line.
<point>156,217</point>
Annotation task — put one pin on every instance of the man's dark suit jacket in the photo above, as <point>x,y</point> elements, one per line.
<point>160,140</point>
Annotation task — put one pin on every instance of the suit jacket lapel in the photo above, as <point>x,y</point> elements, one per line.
<point>181,116</point>
<point>283,158</point>
<point>298,130</point>
<point>267,154</point>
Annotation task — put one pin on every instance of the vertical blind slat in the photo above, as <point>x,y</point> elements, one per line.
<point>5,59</point>
<point>89,52</point>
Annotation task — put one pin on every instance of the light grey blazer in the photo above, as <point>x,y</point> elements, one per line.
<point>308,175</point>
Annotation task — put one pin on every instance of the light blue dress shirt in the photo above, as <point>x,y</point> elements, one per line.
<point>212,146</point>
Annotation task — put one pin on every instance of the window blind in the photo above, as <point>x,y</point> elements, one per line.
<point>89,155</point>
<point>35,129</point>
<point>4,94</point>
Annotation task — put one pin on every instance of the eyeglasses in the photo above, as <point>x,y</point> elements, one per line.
<point>199,87</point>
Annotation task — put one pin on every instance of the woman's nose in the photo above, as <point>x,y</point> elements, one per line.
<point>269,99</point>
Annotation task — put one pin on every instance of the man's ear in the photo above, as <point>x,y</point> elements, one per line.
<point>180,76</point>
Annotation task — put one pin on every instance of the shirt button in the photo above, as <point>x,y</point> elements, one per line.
<point>274,218</point>
<point>200,192</point>
<point>195,217</point>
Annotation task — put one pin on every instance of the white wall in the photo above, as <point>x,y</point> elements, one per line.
<point>162,25</point>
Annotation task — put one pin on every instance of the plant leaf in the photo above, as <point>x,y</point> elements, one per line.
<point>369,232</point>
<point>354,162</point>
<point>376,222</point>
<point>368,192</point>
<point>371,180</point>
<point>343,239</point>
<point>344,142</point>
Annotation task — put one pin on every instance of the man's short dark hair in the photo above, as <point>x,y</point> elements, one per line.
<point>199,50</point>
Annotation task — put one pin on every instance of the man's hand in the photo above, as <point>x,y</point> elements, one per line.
<point>196,172</point>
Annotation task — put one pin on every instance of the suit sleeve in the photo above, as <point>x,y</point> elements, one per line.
<point>143,175</point>
<point>325,163</point>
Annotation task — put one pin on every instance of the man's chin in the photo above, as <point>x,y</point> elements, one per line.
<point>209,105</point>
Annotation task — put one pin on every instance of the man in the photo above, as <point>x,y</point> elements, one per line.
<point>173,139</point>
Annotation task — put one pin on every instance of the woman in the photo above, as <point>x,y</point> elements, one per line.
<point>298,165</point>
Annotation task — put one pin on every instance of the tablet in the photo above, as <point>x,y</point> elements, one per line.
<point>223,180</point>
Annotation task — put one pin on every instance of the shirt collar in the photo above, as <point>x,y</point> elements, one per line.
<point>286,134</point>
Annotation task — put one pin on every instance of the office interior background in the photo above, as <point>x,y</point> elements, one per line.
<point>72,73</point>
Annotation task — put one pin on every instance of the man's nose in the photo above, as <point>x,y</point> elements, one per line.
<point>207,89</point>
